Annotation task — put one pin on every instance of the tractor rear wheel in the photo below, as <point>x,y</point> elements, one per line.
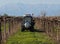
<point>32,29</point>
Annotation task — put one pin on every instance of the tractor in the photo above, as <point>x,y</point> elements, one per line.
<point>27,23</point>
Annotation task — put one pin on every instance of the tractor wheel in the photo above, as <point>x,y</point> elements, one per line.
<point>22,29</point>
<point>32,29</point>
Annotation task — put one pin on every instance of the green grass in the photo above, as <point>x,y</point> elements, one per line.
<point>29,38</point>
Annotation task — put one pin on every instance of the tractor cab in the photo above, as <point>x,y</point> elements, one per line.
<point>28,23</point>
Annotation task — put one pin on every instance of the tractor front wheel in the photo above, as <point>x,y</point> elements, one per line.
<point>22,29</point>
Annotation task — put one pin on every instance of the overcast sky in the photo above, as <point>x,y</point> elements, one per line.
<point>3,3</point>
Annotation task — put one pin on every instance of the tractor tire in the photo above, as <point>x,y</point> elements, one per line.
<point>22,30</point>
<point>32,29</point>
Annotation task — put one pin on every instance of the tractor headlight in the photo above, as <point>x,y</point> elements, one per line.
<point>27,24</point>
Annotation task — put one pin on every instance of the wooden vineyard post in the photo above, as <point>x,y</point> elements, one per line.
<point>4,28</point>
<point>51,30</point>
<point>12,25</point>
<point>40,23</point>
<point>0,33</point>
<point>47,25</point>
<point>57,31</point>
<point>44,24</point>
<point>9,27</point>
<point>16,25</point>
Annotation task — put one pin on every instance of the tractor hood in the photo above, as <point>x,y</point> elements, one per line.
<point>27,24</point>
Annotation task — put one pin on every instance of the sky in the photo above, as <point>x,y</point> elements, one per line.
<point>21,7</point>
